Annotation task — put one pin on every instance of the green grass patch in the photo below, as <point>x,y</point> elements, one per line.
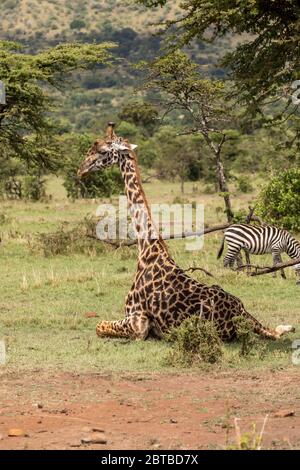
<point>44,299</point>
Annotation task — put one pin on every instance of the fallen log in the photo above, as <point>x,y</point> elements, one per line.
<point>260,270</point>
<point>127,242</point>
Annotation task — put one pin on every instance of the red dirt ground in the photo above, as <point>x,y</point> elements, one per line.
<point>159,411</point>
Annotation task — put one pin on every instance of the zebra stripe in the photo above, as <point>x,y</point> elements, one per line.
<point>259,240</point>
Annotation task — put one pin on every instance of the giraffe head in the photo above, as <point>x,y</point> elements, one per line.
<point>106,152</point>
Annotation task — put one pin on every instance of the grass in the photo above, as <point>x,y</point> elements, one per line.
<point>44,299</point>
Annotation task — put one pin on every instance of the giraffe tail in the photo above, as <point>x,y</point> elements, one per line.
<point>221,249</point>
<point>270,333</point>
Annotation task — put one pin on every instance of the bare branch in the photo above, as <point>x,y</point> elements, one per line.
<point>259,270</point>
<point>198,269</point>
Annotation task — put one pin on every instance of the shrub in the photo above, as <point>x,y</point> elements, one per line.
<point>127,129</point>
<point>78,23</point>
<point>244,185</point>
<point>250,341</point>
<point>68,240</point>
<point>194,342</point>
<point>34,187</point>
<point>12,188</point>
<point>245,334</point>
<point>279,201</point>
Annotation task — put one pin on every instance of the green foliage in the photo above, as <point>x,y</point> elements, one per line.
<point>69,240</point>
<point>97,184</point>
<point>127,129</point>
<point>148,153</point>
<point>271,35</point>
<point>141,114</point>
<point>12,188</point>
<point>194,342</point>
<point>177,156</point>
<point>279,201</point>
<point>239,216</point>
<point>179,79</point>
<point>34,187</point>
<point>78,23</point>
<point>244,184</point>
<point>248,339</point>
<point>26,131</point>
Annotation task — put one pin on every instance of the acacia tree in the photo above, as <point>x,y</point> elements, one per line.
<point>266,60</point>
<point>26,129</point>
<point>180,86</point>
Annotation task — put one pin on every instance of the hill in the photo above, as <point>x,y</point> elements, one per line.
<point>54,19</point>
<point>39,24</point>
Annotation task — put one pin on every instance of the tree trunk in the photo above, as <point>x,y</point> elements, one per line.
<point>182,186</point>
<point>223,187</point>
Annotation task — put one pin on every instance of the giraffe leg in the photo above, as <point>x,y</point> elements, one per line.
<point>134,326</point>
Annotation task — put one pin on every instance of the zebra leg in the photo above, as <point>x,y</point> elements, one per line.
<point>282,273</point>
<point>230,258</point>
<point>239,260</point>
<point>248,261</point>
<point>276,259</point>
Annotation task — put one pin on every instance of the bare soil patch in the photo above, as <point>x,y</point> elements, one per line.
<point>58,410</point>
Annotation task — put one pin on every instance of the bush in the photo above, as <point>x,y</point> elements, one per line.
<point>78,23</point>
<point>196,341</point>
<point>67,240</point>
<point>250,342</point>
<point>127,130</point>
<point>34,188</point>
<point>279,201</point>
<point>244,185</point>
<point>11,188</point>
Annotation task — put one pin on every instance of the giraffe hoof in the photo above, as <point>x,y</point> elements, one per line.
<point>281,329</point>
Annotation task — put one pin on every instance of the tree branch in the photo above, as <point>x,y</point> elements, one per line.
<point>259,270</point>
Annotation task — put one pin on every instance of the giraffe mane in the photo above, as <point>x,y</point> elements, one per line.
<point>139,180</point>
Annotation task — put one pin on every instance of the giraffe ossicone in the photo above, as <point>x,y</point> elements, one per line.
<point>162,294</point>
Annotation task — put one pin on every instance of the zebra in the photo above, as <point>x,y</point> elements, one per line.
<point>259,240</point>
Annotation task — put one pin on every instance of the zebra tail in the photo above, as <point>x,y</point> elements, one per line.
<point>221,249</point>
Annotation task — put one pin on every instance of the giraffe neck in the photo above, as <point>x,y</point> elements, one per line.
<point>146,233</point>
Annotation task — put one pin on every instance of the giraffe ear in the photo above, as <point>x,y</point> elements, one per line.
<point>125,146</point>
<point>133,146</point>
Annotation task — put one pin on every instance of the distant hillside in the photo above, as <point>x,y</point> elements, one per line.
<point>39,24</point>
<point>26,19</point>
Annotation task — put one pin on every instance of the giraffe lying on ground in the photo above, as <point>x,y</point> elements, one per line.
<point>162,295</point>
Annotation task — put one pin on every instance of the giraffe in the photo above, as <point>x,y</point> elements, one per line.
<point>162,294</point>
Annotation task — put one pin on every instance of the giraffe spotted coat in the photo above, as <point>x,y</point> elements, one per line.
<point>162,294</point>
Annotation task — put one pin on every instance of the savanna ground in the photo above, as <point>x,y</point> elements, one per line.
<point>60,380</point>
